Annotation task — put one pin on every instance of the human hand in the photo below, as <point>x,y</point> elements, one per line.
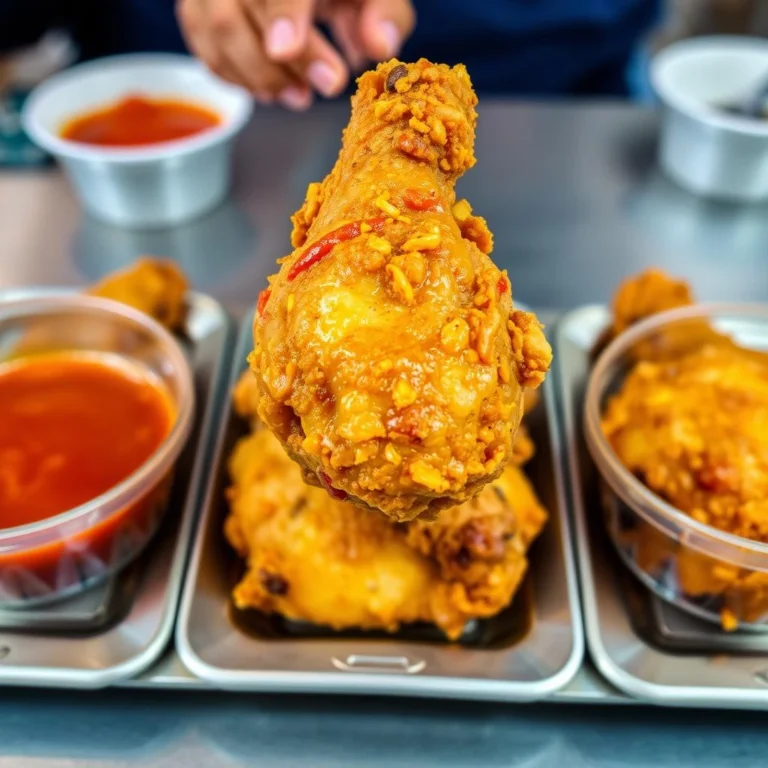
<point>274,48</point>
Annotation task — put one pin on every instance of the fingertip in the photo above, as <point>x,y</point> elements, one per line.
<point>325,78</point>
<point>383,39</point>
<point>283,39</point>
<point>344,32</point>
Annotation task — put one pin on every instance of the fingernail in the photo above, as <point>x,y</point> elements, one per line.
<point>295,98</point>
<point>390,38</point>
<point>323,77</point>
<point>282,37</point>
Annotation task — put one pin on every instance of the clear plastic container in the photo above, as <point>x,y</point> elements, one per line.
<point>66,553</point>
<point>715,575</point>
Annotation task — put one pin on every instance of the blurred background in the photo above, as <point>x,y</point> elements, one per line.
<point>38,37</point>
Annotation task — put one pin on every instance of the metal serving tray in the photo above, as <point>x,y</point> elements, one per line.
<point>645,647</point>
<point>168,673</point>
<point>118,629</point>
<point>528,652</point>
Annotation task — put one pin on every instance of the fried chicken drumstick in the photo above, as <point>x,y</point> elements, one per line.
<point>313,558</point>
<point>390,360</point>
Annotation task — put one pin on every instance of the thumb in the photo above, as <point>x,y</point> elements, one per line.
<point>384,26</point>
<point>285,24</point>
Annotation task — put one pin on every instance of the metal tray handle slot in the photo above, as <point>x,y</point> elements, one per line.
<point>379,664</point>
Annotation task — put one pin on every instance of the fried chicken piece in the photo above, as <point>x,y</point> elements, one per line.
<point>390,360</point>
<point>650,293</point>
<point>313,558</point>
<point>152,286</point>
<point>645,295</point>
<point>246,400</point>
<point>695,430</point>
<point>694,427</point>
<point>692,424</point>
<point>156,287</point>
<point>480,546</point>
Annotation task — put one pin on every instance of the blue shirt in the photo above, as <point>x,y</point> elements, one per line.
<point>530,47</point>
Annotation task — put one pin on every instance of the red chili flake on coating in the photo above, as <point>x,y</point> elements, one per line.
<point>334,493</point>
<point>261,304</point>
<point>324,245</point>
<point>502,284</point>
<point>420,201</point>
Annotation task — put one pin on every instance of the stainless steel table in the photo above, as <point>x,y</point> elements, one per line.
<point>575,201</point>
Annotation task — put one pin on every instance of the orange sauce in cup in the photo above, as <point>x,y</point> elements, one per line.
<point>139,121</point>
<point>72,426</point>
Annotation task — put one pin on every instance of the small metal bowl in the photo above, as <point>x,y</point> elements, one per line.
<point>703,147</point>
<point>697,567</point>
<point>150,186</point>
<point>69,552</point>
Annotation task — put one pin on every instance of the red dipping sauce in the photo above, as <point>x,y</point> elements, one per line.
<point>70,429</point>
<point>138,121</point>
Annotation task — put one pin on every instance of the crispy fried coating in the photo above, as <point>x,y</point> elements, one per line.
<point>390,360</point>
<point>650,293</point>
<point>313,558</point>
<point>246,401</point>
<point>696,431</point>
<point>691,421</point>
<point>154,286</point>
<point>480,546</point>
<point>645,295</point>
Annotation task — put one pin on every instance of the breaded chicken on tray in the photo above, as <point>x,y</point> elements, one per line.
<point>156,287</point>
<point>690,420</point>
<point>313,558</point>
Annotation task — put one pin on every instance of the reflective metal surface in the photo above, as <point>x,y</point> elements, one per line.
<point>214,730</point>
<point>167,674</point>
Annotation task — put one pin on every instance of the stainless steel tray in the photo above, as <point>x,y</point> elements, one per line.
<point>168,673</point>
<point>642,645</point>
<point>530,667</point>
<point>118,629</point>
